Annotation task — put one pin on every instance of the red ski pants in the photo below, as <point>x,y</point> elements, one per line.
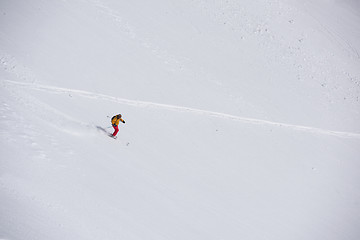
<point>116,130</point>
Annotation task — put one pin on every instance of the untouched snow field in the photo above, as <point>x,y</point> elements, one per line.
<point>242,119</point>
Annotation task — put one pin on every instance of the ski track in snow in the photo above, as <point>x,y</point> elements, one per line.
<point>144,104</point>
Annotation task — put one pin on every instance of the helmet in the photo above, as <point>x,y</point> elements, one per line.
<point>119,116</point>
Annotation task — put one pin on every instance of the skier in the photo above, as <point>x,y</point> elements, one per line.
<point>115,120</point>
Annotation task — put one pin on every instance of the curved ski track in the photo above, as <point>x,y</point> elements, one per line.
<point>136,103</point>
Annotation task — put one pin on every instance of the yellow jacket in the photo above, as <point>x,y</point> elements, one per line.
<point>115,120</point>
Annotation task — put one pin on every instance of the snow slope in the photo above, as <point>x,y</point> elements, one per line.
<point>242,119</point>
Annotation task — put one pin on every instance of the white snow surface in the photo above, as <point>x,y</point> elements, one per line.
<point>242,119</point>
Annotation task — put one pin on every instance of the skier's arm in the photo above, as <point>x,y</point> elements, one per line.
<point>113,122</point>
<point>122,120</point>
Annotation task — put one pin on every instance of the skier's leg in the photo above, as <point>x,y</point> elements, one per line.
<point>116,130</point>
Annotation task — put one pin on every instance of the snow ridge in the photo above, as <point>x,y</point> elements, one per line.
<point>145,104</point>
